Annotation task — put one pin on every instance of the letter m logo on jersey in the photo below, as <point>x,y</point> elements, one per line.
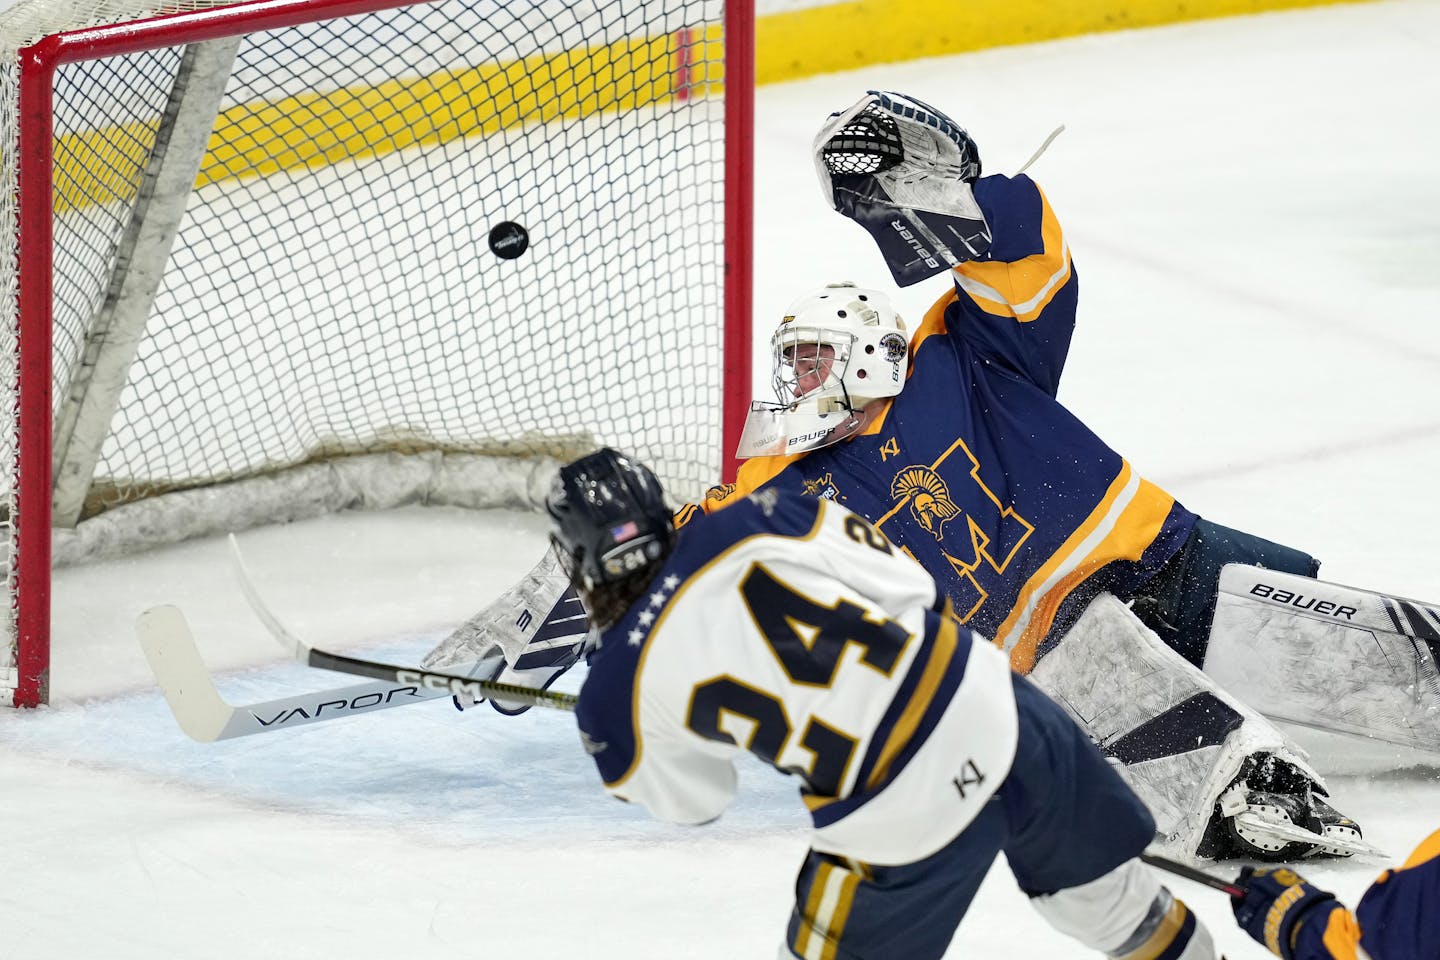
<point>976,532</point>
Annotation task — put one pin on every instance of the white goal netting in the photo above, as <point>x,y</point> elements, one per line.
<point>332,303</point>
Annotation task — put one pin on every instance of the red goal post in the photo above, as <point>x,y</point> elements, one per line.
<point>260,262</point>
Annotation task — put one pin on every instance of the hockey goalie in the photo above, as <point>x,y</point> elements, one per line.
<point>1130,610</point>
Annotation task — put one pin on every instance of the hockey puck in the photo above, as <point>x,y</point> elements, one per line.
<point>508,240</point>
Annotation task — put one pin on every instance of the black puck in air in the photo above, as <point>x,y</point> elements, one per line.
<point>508,240</point>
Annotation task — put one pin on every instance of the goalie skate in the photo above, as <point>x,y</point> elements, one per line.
<point>1272,812</point>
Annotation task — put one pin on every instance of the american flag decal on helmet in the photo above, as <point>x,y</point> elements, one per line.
<point>625,531</point>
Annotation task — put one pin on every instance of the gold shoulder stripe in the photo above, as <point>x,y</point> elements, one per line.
<point>1024,288</point>
<point>752,475</point>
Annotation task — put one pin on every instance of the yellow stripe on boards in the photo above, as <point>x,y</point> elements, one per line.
<point>102,166</point>
<point>319,129</point>
<point>847,36</point>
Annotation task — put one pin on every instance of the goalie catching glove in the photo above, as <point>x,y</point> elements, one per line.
<point>902,170</point>
<point>532,634</point>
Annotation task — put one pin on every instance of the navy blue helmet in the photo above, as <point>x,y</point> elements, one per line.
<point>609,518</point>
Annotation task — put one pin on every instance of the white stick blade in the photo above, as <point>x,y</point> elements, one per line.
<point>170,649</point>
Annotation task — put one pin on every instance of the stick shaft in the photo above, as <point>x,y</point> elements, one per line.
<point>434,681</point>
<point>1190,873</point>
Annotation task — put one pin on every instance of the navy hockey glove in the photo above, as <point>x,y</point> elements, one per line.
<point>1277,902</point>
<point>902,170</point>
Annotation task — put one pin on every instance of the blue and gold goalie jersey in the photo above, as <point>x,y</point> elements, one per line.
<point>789,627</point>
<point>1020,512</point>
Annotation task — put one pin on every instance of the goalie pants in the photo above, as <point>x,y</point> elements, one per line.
<point>1178,603</point>
<point>1062,818</point>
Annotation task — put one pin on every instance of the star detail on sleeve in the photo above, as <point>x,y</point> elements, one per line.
<point>645,617</point>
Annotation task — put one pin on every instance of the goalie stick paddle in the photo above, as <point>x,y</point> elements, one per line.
<point>205,716</point>
<point>437,682</point>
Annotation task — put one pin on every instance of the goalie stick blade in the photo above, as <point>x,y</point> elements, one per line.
<point>205,716</point>
<point>170,649</point>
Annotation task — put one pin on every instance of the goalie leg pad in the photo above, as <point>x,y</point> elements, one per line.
<point>1176,738</point>
<point>1178,603</point>
<point>1329,656</point>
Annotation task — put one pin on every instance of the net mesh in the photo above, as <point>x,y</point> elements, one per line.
<point>332,288</point>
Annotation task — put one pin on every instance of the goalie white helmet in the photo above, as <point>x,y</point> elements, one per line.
<point>836,350</point>
<point>839,348</point>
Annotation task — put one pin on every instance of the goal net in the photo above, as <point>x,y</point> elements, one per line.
<point>263,260</point>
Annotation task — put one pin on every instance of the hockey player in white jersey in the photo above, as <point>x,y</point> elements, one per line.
<point>790,628</point>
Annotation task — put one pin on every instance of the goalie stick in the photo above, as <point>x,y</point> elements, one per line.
<point>436,682</point>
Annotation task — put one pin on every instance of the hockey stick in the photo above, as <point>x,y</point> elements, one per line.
<point>1190,873</point>
<point>436,682</point>
<point>205,716</point>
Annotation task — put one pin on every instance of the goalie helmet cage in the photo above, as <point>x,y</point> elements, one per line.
<point>273,258</point>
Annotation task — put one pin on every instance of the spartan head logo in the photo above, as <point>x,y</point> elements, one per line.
<point>930,502</point>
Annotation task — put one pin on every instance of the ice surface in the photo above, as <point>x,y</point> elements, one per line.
<point>1253,211</point>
